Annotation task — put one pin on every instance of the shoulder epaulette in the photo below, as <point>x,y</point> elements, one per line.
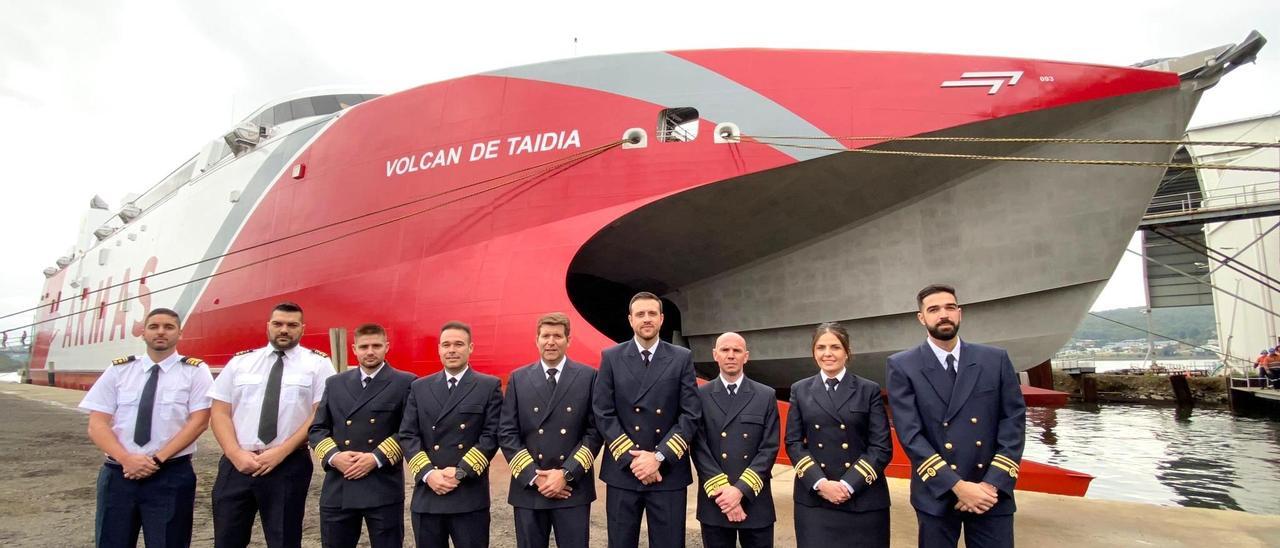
<point>318,353</point>
<point>243,352</point>
<point>124,360</point>
<point>192,361</point>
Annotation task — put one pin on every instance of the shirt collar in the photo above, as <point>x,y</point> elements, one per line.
<point>942,354</point>
<point>459,376</point>
<point>364,375</point>
<point>640,348</point>
<point>737,382</point>
<point>839,376</point>
<point>559,366</point>
<point>164,364</point>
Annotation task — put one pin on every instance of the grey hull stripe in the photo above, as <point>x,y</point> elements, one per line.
<point>667,80</point>
<point>267,173</point>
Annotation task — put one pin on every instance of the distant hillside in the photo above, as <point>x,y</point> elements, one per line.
<point>12,361</point>
<point>1193,324</point>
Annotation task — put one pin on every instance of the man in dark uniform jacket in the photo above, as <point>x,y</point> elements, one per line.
<point>449,434</point>
<point>549,437</point>
<point>961,418</point>
<point>354,440</point>
<point>647,409</point>
<point>735,453</point>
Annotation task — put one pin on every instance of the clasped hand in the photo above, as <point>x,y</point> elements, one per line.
<point>551,484</point>
<point>975,497</point>
<point>644,464</point>
<point>354,464</point>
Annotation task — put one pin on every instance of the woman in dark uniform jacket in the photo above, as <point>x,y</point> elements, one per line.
<point>838,441</point>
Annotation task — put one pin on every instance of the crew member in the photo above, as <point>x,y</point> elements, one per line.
<point>263,404</point>
<point>449,434</point>
<point>145,413</point>
<point>647,410</point>
<point>549,437</point>
<point>735,454</point>
<point>354,440</point>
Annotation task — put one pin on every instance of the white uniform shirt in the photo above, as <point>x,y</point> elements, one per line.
<point>243,384</point>
<point>181,390</point>
<point>942,354</point>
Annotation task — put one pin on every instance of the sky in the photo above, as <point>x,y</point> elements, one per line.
<point>106,97</point>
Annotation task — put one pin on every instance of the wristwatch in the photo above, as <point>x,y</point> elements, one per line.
<point>568,476</point>
<point>460,473</point>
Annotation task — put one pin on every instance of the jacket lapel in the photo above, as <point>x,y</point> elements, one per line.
<point>568,373</point>
<point>376,385</point>
<point>459,392</point>
<point>965,381</point>
<point>934,373</point>
<point>739,402</point>
<point>538,378</point>
<point>844,390</point>
<point>819,385</point>
<point>657,368</point>
<point>720,396</point>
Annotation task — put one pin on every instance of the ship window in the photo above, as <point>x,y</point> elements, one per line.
<point>266,119</point>
<point>347,101</point>
<point>302,108</point>
<point>327,104</point>
<point>283,113</point>
<point>678,124</point>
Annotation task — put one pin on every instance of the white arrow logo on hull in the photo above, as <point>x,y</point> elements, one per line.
<point>992,80</point>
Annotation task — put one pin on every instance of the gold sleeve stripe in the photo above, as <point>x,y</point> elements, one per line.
<point>391,448</point>
<point>752,479</point>
<point>1005,460</point>
<point>864,468</point>
<point>419,462</point>
<point>521,461</point>
<point>476,459</point>
<point>584,457</point>
<point>676,447</point>
<point>620,446</point>
<point>929,462</point>
<point>680,440</point>
<point>324,447</point>
<point>1007,464</point>
<point>715,482</point>
<point>931,467</point>
<point>804,465</point>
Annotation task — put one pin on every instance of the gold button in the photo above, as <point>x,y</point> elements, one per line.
<point>463,426</point>
<point>435,448</point>
<point>945,424</point>
<point>844,446</point>
<point>817,427</point>
<point>373,421</point>
<point>637,428</point>
<point>659,411</point>
<point>657,430</point>
<point>819,445</point>
<point>535,409</point>
<point>744,457</point>
<point>433,427</point>
<point>947,445</point>
<point>842,427</point>
<point>724,434</point>
<point>459,446</point>
<point>563,431</point>
<point>953,467</point>
<point>980,465</point>
<point>568,410</point>
<point>824,465</point>
<point>561,457</point>
<point>539,430</point>
<point>346,442</point>
<point>348,423</point>
<point>744,435</point>
<point>724,456</point>
<point>370,442</point>
<point>847,465</point>
<point>974,420</point>
<point>979,442</point>
<point>539,456</point>
<point>637,410</point>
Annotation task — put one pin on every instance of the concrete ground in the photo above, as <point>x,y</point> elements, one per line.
<point>48,498</point>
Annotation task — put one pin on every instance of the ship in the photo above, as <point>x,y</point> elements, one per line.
<point>760,191</point>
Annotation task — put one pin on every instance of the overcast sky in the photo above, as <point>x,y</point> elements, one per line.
<point>107,96</point>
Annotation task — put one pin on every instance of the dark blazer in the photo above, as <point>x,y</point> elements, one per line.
<point>458,427</point>
<point>653,409</point>
<point>352,417</point>
<point>840,436</point>
<point>542,430</point>
<point>973,430</point>
<point>738,446</point>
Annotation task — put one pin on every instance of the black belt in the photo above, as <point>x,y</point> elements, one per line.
<point>175,460</point>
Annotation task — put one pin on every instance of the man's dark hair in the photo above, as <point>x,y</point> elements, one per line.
<point>455,324</point>
<point>166,312</point>
<point>288,306</point>
<point>369,329</point>
<point>930,290</point>
<point>553,319</point>
<point>644,295</point>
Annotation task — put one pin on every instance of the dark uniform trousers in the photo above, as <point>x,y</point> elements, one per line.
<point>840,435</point>
<point>737,448</point>
<point>280,497</point>
<point>650,408</point>
<point>354,417</point>
<point>971,428</point>
<point>443,428</point>
<point>160,505</point>
<point>545,429</point>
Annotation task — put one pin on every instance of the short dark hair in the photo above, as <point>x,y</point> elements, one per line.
<point>166,312</point>
<point>553,319</point>
<point>288,306</point>
<point>455,324</point>
<point>930,290</point>
<point>369,329</point>
<point>833,328</point>
<point>641,296</point>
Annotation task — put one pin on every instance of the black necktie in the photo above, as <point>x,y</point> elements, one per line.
<point>551,378</point>
<point>452,383</point>
<point>951,367</point>
<point>733,390</point>
<point>271,401</point>
<point>142,428</point>
<point>645,354</point>
<point>832,384</point>
<point>365,381</point>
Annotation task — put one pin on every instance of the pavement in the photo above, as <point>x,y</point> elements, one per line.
<point>48,498</point>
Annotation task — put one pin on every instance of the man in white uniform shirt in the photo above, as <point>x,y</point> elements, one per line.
<point>145,413</point>
<point>263,403</point>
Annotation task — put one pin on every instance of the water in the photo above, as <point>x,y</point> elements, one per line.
<point>1105,366</point>
<point>1203,458</point>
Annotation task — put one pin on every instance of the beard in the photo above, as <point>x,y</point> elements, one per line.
<point>275,343</point>
<point>936,331</point>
